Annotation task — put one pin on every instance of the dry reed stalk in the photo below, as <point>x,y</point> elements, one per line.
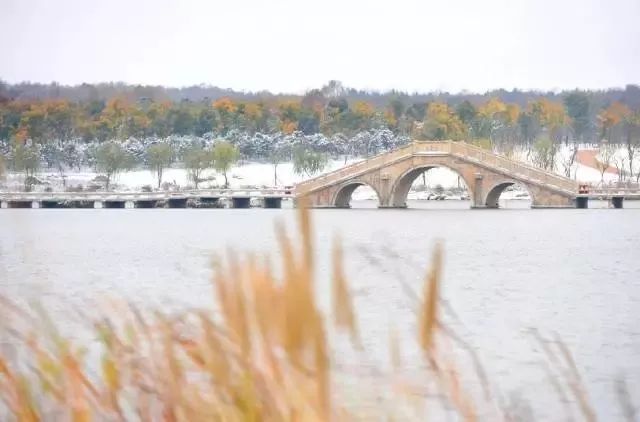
<point>428,311</point>
<point>563,363</point>
<point>626,403</point>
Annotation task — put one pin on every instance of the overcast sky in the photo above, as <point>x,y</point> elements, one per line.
<point>294,45</point>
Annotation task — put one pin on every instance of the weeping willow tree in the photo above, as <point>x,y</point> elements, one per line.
<point>112,159</point>
<point>544,153</point>
<point>307,162</point>
<point>159,157</point>
<point>2,167</point>
<point>224,156</point>
<point>277,156</point>
<point>196,160</point>
<point>26,158</point>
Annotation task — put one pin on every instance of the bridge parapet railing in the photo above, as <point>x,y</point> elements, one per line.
<point>354,168</point>
<point>613,191</point>
<point>433,146</point>
<point>373,162</point>
<point>517,167</point>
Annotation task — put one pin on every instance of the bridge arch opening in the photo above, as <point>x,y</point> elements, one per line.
<point>356,195</point>
<point>509,194</point>
<point>433,183</point>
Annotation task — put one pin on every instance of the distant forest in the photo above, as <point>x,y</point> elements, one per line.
<point>629,95</point>
<point>94,110</point>
<point>332,119</point>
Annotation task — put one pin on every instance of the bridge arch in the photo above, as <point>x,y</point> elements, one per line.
<point>342,197</point>
<point>403,183</point>
<point>493,195</point>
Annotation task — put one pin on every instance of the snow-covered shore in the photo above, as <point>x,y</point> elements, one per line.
<point>247,174</point>
<point>241,175</point>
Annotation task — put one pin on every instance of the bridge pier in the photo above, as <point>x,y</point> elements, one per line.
<point>478,193</point>
<point>617,201</point>
<point>241,202</point>
<point>272,202</point>
<point>582,202</point>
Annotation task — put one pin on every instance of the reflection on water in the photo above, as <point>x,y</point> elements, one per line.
<point>570,272</point>
<point>445,204</point>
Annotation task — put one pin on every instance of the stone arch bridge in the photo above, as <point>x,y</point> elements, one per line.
<point>392,173</point>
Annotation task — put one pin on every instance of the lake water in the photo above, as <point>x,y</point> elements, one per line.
<point>574,273</point>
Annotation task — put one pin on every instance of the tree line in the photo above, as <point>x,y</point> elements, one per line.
<point>53,120</point>
<point>118,111</point>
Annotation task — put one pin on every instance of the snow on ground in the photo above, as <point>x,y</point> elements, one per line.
<point>262,174</point>
<point>580,172</point>
<point>247,174</point>
<point>590,175</point>
<point>242,175</point>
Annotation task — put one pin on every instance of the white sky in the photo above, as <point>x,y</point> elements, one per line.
<point>294,45</point>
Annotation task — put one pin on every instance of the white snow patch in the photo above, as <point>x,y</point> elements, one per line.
<point>262,174</point>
